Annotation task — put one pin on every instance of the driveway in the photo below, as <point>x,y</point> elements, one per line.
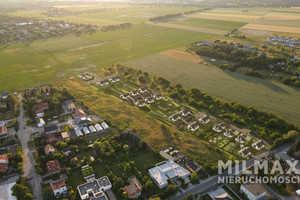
<point>28,158</point>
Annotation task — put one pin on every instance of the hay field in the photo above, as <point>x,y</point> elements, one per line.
<point>182,55</point>
<point>225,17</point>
<point>262,94</point>
<point>283,29</point>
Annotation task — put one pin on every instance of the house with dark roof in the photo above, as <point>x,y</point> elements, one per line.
<point>125,96</point>
<point>149,100</point>
<point>185,112</point>
<point>229,133</point>
<point>84,122</point>
<point>158,96</point>
<point>134,92</point>
<point>241,138</point>
<point>258,145</point>
<point>53,166</point>
<point>205,119</point>
<point>174,117</point>
<point>70,105</point>
<point>254,191</point>
<point>59,187</point>
<point>142,90</point>
<point>245,152</point>
<point>51,129</point>
<point>4,95</point>
<point>140,103</point>
<point>134,189</point>
<point>103,83</point>
<point>219,194</point>
<point>218,128</point>
<point>95,189</point>
<point>193,126</point>
<point>193,166</point>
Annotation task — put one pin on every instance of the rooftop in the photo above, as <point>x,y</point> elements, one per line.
<point>53,166</point>
<point>58,184</point>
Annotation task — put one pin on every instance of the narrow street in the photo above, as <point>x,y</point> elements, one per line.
<point>28,163</point>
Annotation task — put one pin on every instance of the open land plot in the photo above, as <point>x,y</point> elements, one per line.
<point>54,60</point>
<point>124,115</point>
<point>241,11</point>
<point>209,23</point>
<point>262,94</point>
<point>260,27</point>
<point>225,17</point>
<point>182,54</point>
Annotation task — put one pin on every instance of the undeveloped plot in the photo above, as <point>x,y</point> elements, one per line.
<point>190,28</point>
<point>281,16</point>
<point>283,29</point>
<point>182,55</point>
<point>226,17</point>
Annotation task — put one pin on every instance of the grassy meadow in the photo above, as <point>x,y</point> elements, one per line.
<point>42,61</point>
<point>263,94</point>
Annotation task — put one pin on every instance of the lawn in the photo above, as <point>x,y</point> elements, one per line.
<point>209,23</point>
<point>263,94</point>
<point>57,58</point>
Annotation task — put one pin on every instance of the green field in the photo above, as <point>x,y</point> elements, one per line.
<point>263,94</point>
<point>34,63</point>
<point>209,23</point>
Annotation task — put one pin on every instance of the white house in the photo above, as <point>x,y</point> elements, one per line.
<point>254,191</point>
<point>245,152</point>
<point>140,103</point>
<point>205,119</point>
<point>59,187</point>
<point>94,189</point>
<point>39,113</point>
<point>241,139</point>
<point>229,133</point>
<point>174,117</point>
<point>41,122</point>
<point>218,128</point>
<point>125,96</point>
<point>165,170</point>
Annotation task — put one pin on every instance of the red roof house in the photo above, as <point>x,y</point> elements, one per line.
<point>3,162</point>
<point>43,106</point>
<point>3,130</point>
<point>53,166</point>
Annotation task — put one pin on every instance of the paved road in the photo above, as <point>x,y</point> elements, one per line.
<point>28,162</point>
<point>206,184</point>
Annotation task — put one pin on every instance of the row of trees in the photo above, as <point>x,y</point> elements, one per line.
<point>157,18</point>
<point>116,27</point>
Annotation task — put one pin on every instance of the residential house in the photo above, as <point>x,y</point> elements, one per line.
<point>219,194</point>
<point>40,122</point>
<point>158,96</point>
<point>218,128</point>
<point>174,117</point>
<point>140,103</point>
<point>78,132</point>
<point>134,189</point>
<point>245,152</point>
<point>98,127</point>
<point>59,187</point>
<point>149,100</point>
<point>39,113</point>
<point>94,189</point>
<point>49,149</point>
<point>114,79</point>
<point>165,170</point>
<point>193,126</point>
<point>79,113</point>
<point>178,157</point>
<point>125,96</point>
<point>103,83</point>
<point>3,162</point>
<point>254,191</point>
<point>51,138</point>
<point>205,119</point>
<point>70,105</point>
<point>241,138</point>
<point>3,130</point>
<point>43,106</point>
<point>185,112</point>
<point>258,145</point>
<point>65,135</point>
<point>53,166</point>
<point>142,90</point>
<point>193,166</point>
<point>229,133</point>
<point>104,125</point>
<point>51,129</point>
<point>134,93</point>
<point>83,122</point>
<point>4,95</point>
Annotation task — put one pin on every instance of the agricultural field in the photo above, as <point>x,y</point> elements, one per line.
<point>263,94</point>
<point>56,58</point>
